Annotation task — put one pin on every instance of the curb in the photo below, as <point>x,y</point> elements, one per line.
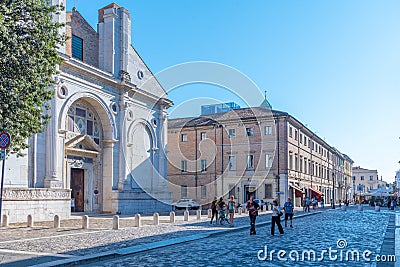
<point>79,260</point>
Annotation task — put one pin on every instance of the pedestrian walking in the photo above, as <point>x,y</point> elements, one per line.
<point>289,211</point>
<point>253,208</point>
<point>231,210</point>
<point>322,202</point>
<point>276,218</point>
<point>214,210</point>
<point>340,203</point>
<point>304,204</point>
<point>314,204</point>
<point>307,204</point>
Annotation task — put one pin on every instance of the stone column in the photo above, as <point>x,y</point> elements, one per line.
<point>284,188</point>
<point>53,149</point>
<point>122,144</point>
<point>108,168</point>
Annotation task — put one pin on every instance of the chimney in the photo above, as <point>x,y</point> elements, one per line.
<point>114,28</point>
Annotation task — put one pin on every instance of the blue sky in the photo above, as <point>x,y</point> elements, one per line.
<point>333,64</point>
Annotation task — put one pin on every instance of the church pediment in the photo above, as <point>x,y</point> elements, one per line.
<point>82,145</point>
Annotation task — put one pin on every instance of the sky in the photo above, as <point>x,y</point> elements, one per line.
<point>334,64</point>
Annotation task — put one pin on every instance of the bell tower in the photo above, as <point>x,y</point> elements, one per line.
<point>60,18</point>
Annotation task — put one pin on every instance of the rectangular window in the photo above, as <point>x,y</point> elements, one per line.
<point>183,137</point>
<point>232,133</point>
<point>77,47</point>
<point>268,130</point>
<point>305,141</point>
<point>203,192</point>
<point>203,136</point>
<point>371,178</point>
<point>250,131</point>
<point>290,132</point>
<point>362,178</point>
<point>268,191</point>
<point>290,161</point>
<point>301,138</point>
<point>232,163</point>
<point>183,166</point>
<point>296,162</point>
<point>183,191</point>
<point>203,165</point>
<point>268,161</point>
<point>250,162</point>
<point>371,187</point>
<point>301,163</point>
<point>295,135</point>
<point>305,165</point>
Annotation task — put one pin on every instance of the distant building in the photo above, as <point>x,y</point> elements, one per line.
<point>218,108</point>
<point>365,180</point>
<point>253,151</point>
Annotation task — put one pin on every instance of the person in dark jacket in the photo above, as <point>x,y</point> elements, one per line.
<point>253,208</point>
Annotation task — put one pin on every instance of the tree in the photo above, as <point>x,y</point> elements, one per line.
<point>28,61</point>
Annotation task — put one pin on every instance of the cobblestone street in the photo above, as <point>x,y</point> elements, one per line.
<point>195,243</point>
<point>356,231</point>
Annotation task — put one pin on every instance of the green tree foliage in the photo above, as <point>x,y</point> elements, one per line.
<point>28,62</point>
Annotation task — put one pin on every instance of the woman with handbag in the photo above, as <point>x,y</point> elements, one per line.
<point>276,218</point>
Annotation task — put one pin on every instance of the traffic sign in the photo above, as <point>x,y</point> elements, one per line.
<point>279,193</point>
<point>5,140</point>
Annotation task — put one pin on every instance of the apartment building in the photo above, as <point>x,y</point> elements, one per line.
<point>253,151</point>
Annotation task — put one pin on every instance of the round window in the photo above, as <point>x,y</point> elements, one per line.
<point>140,74</point>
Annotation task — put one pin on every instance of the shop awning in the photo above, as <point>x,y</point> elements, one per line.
<point>316,192</point>
<point>298,191</point>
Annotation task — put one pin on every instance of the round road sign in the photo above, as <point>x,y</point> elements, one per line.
<point>5,140</point>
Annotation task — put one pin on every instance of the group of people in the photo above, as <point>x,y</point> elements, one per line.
<point>307,202</point>
<point>253,208</point>
<point>221,206</point>
<point>288,208</point>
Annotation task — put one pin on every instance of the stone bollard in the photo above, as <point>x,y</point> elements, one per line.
<point>209,213</point>
<point>344,207</point>
<point>56,221</point>
<point>4,222</point>
<point>156,219</point>
<point>138,221</point>
<point>172,217</point>
<point>186,215</point>
<point>115,222</point>
<point>198,214</point>
<point>85,222</point>
<point>30,220</point>
<point>360,208</point>
<point>377,208</point>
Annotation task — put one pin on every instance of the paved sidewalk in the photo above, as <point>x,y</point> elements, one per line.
<point>23,246</point>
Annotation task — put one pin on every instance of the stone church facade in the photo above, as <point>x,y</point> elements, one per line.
<point>104,147</point>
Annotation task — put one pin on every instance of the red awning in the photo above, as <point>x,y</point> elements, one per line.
<point>298,191</point>
<point>316,192</point>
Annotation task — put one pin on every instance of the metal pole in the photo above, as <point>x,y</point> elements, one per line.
<point>2,183</point>
<point>333,191</point>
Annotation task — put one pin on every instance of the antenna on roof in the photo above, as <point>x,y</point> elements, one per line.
<point>74,8</point>
<point>265,94</point>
